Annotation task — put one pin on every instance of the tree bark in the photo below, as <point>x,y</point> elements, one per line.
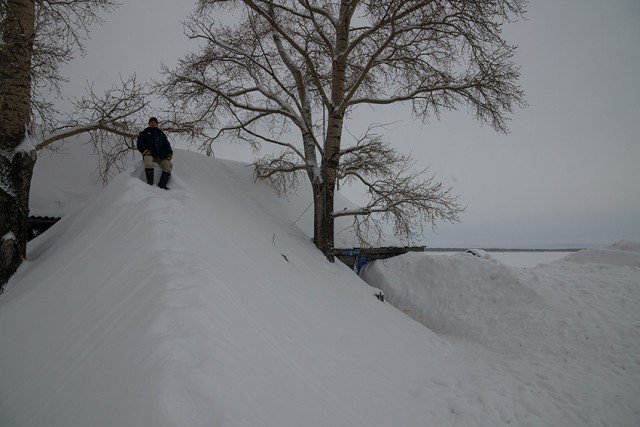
<point>324,224</point>
<point>17,158</point>
<point>14,212</point>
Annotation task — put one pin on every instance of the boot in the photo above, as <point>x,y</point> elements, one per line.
<point>164,178</point>
<point>149,173</point>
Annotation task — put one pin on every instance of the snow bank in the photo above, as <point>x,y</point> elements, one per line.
<point>203,306</point>
<point>623,253</point>
<point>461,295</point>
<point>571,328</point>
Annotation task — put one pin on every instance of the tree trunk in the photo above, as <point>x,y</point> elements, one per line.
<point>14,212</point>
<point>324,220</point>
<point>323,233</point>
<point>17,158</point>
<point>324,204</point>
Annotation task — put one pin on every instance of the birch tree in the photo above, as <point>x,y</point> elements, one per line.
<point>284,64</point>
<point>36,37</point>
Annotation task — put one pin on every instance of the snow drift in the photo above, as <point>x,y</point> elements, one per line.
<point>204,306</point>
<point>460,295</point>
<point>571,326</point>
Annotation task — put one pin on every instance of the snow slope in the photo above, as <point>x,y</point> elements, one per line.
<point>568,331</point>
<point>204,306</point>
<point>67,176</point>
<point>154,308</point>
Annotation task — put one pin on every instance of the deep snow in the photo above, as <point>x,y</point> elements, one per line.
<point>204,306</point>
<point>567,332</point>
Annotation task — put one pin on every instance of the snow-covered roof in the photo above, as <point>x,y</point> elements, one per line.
<point>205,306</point>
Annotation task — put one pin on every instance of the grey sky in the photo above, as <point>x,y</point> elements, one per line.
<point>567,174</point>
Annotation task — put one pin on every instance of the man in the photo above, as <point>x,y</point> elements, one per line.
<point>155,147</point>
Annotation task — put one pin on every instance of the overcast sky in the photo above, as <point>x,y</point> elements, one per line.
<point>567,174</point>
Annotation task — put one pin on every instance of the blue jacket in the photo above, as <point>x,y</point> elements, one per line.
<point>153,142</point>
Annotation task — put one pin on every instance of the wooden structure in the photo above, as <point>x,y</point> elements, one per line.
<point>40,224</point>
<point>357,258</point>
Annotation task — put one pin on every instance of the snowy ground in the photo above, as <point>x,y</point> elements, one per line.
<point>523,259</point>
<point>563,339</point>
<point>204,306</point>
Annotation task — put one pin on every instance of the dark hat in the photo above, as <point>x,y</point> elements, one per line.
<point>153,119</point>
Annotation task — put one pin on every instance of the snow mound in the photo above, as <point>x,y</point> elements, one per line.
<point>622,253</point>
<point>203,306</point>
<point>481,253</point>
<point>461,295</point>
<point>570,328</point>
<point>74,168</point>
<point>625,245</point>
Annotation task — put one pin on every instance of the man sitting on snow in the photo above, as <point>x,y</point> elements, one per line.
<point>155,147</point>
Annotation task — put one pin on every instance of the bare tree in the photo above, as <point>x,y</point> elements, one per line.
<point>397,192</point>
<point>112,121</point>
<point>286,63</point>
<point>36,37</point>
